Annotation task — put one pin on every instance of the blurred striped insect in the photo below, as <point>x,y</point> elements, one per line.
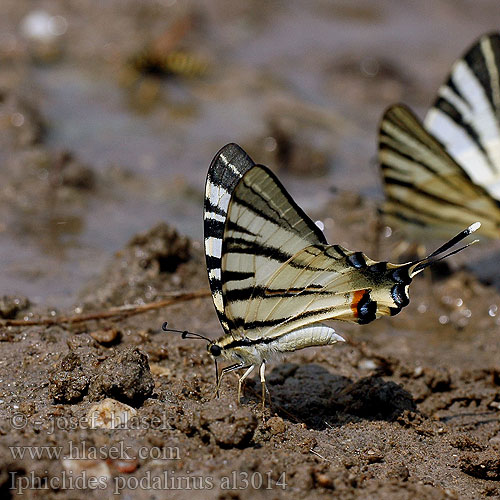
<point>165,56</point>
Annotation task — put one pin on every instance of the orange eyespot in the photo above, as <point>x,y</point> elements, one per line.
<point>358,295</point>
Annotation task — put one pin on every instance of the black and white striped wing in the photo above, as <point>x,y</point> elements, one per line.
<point>466,115</point>
<point>252,226</point>
<point>225,172</point>
<point>425,187</point>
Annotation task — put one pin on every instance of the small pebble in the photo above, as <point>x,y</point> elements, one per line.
<point>160,371</point>
<point>78,467</point>
<point>323,480</point>
<point>373,456</point>
<point>367,364</point>
<point>107,336</point>
<point>495,405</point>
<point>125,466</point>
<point>110,414</point>
<point>276,425</point>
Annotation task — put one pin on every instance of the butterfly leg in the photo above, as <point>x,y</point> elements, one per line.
<point>242,378</point>
<point>225,370</point>
<point>263,383</point>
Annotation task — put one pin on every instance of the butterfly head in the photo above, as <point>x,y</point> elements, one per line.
<point>214,349</point>
<point>222,349</point>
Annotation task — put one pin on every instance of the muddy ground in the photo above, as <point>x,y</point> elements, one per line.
<point>408,408</point>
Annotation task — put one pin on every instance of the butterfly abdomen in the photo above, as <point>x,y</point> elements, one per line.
<point>265,348</point>
<point>314,335</point>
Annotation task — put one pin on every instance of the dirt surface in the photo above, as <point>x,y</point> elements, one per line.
<point>408,407</point>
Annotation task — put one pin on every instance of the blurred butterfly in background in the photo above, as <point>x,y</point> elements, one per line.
<point>274,278</point>
<point>445,173</point>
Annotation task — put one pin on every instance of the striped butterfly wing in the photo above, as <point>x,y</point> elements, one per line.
<point>424,186</point>
<point>270,267</point>
<point>252,226</point>
<point>226,170</point>
<point>466,115</point>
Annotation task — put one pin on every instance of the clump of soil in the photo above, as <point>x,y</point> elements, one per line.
<point>69,381</point>
<point>152,262</point>
<point>124,376</point>
<point>159,250</point>
<point>483,465</point>
<point>11,305</point>
<point>218,421</point>
<point>228,426</point>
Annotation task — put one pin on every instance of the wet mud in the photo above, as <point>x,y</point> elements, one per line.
<point>403,409</point>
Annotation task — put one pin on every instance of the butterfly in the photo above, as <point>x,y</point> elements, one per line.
<point>274,278</point>
<point>444,173</point>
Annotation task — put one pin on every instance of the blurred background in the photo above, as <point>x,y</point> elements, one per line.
<point>110,112</point>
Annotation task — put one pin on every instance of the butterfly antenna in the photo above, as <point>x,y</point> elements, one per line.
<point>433,257</point>
<point>184,333</point>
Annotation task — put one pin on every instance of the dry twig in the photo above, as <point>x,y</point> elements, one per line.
<point>114,312</point>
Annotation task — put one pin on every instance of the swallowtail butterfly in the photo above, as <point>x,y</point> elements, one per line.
<point>273,276</point>
<point>445,173</point>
